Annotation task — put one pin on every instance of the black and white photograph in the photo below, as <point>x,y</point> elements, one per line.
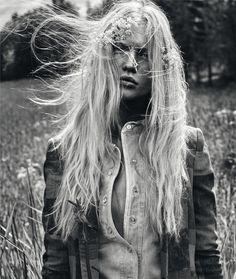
<point>118,139</point>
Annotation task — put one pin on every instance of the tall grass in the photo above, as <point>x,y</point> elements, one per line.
<point>24,133</point>
<point>214,111</point>
<point>21,248</point>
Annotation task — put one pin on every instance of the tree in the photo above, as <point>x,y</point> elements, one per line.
<point>228,32</point>
<point>64,6</point>
<point>18,58</point>
<point>100,10</point>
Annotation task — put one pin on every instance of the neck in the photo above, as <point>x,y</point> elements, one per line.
<point>133,109</point>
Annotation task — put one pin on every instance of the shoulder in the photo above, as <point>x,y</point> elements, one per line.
<point>195,139</point>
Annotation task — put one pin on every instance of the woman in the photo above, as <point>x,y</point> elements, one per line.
<point>128,183</point>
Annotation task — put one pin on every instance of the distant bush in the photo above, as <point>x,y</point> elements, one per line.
<point>18,59</point>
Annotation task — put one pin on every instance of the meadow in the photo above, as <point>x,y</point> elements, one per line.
<point>25,129</point>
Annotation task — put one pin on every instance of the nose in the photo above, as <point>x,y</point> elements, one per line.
<point>130,64</point>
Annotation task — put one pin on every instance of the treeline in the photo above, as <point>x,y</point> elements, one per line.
<point>204,30</point>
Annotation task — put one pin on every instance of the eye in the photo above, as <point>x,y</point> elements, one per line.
<point>143,53</point>
<point>116,49</point>
<point>120,48</point>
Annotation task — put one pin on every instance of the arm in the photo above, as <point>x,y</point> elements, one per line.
<point>55,258</point>
<point>207,255</point>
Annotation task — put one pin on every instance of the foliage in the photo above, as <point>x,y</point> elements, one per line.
<point>24,135</point>
<point>205,31</point>
<point>100,10</point>
<point>25,131</point>
<point>189,26</point>
<point>200,28</point>
<point>214,112</point>
<point>61,6</point>
<point>18,58</point>
<point>228,31</point>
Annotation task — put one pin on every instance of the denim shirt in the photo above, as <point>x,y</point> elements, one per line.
<point>129,249</point>
<point>194,255</point>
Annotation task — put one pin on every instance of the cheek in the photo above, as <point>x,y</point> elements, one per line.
<point>119,64</point>
<point>145,75</point>
<point>144,68</point>
<point>147,83</point>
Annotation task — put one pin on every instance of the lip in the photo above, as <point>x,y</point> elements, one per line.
<point>128,80</point>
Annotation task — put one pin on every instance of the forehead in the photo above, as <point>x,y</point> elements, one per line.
<point>138,36</point>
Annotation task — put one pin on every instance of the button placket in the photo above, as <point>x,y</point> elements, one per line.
<point>104,200</point>
<point>135,190</point>
<point>133,216</point>
<point>129,141</point>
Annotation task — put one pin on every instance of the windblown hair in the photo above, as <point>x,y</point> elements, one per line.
<point>93,99</point>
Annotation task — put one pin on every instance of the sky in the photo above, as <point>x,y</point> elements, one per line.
<point>8,7</point>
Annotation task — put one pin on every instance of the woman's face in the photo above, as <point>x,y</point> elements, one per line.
<point>131,57</point>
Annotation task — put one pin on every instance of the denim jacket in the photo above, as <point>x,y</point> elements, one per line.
<point>194,255</point>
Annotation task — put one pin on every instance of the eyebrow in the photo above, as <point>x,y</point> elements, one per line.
<point>124,46</point>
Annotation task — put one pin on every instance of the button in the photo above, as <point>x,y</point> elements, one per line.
<point>132,220</point>
<point>110,172</point>
<point>129,127</point>
<point>109,230</point>
<point>134,162</point>
<point>104,200</point>
<point>135,190</point>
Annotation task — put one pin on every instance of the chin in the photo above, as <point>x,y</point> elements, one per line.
<point>129,94</point>
<point>129,97</point>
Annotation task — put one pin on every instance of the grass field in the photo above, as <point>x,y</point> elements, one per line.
<point>25,130</point>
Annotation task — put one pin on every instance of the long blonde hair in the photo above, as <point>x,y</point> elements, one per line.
<point>92,93</point>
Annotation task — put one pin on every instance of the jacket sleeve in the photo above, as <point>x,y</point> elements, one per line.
<point>207,255</point>
<point>55,258</point>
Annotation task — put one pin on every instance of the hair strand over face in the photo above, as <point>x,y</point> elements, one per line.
<point>93,96</point>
